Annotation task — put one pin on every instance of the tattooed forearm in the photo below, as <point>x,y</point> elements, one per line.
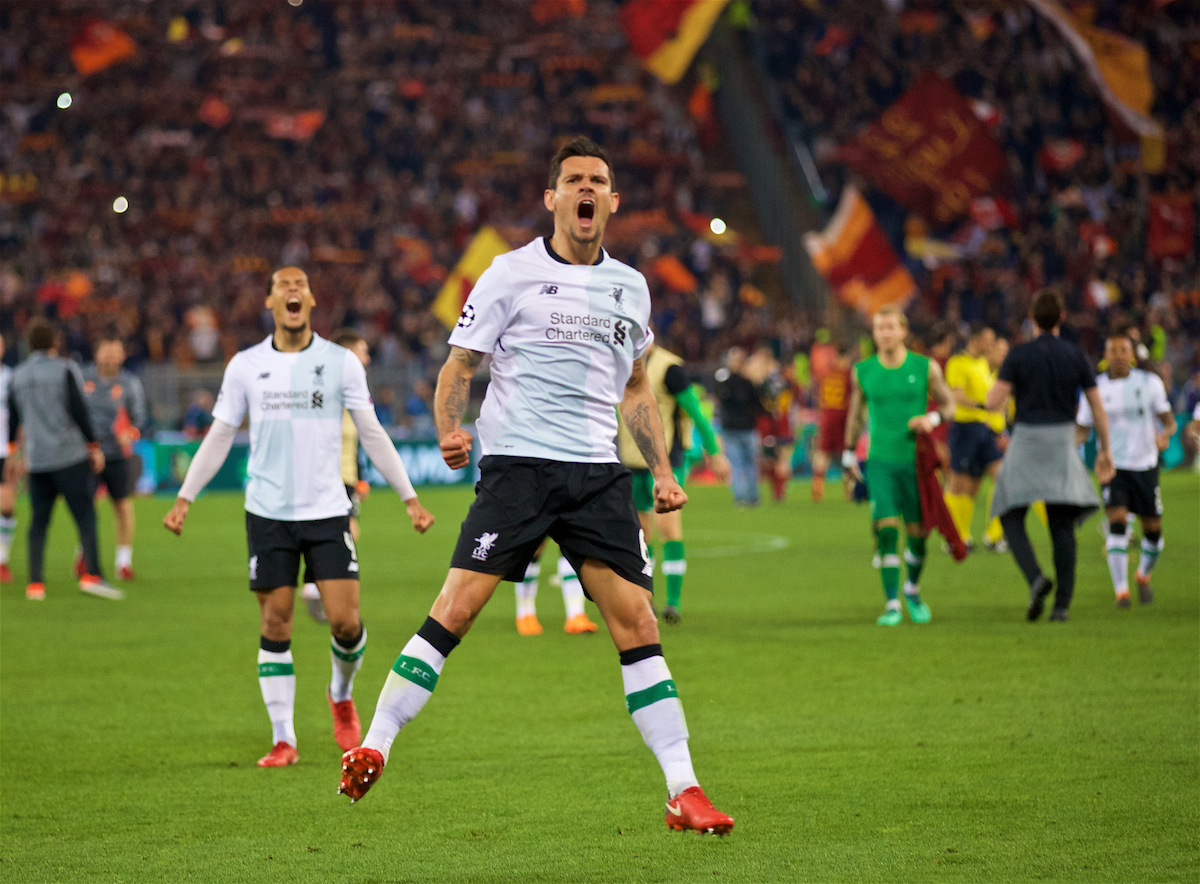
<point>856,420</point>
<point>941,392</point>
<point>641,427</point>
<point>453,393</point>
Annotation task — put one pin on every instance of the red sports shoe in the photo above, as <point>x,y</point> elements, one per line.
<point>281,755</point>
<point>80,565</point>
<point>126,572</point>
<point>360,768</point>
<point>5,574</point>
<point>35,592</point>
<point>691,809</point>
<point>347,729</point>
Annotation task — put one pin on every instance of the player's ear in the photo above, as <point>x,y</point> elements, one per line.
<point>548,199</point>
<point>614,201</point>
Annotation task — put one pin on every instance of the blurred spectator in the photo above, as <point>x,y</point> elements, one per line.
<point>198,417</point>
<point>418,410</point>
<point>739,408</point>
<point>385,398</point>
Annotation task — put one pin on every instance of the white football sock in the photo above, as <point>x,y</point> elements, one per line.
<point>409,685</point>
<point>527,589</point>
<point>571,589</point>
<point>8,527</point>
<point>1117,547</point>
<point>124,556</point>
<point>277,680</point>
<point>346,662</point>
<point>653,703</point>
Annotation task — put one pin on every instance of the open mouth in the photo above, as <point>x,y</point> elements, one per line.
<point>293,306</point>
<point>586,211</point>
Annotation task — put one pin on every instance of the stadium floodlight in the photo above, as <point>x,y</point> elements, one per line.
<point>717,226</point>
<point>120,205</point>
<point>295,2</point>
<point>64,100</point>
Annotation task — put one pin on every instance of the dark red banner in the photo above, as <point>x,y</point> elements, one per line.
<point>1170,225</point>
<point>929,152</point>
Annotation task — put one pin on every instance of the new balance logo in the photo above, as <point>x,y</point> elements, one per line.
<point>484,542</point>
<point>619,333</point>
<point>549,290</point>
<point>318,399</point>
<point>264,375</point>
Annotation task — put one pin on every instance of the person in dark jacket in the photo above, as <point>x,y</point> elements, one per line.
<point>740,408</point>
<point>61,453</point>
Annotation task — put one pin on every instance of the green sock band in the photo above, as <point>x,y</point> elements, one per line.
<point>889,561</point>
<point>674,566</point>
<point>915,559</point>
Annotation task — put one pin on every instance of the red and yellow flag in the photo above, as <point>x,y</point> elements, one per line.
<point>856,258</point>
<point>98,45</point>
<point>667,34</point>
<point>484,246</point>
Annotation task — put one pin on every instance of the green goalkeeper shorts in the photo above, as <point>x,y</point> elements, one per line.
<point>893,491</point>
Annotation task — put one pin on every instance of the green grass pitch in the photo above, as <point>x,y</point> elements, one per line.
<point>977,748</point>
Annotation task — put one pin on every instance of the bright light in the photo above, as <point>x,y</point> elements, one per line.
<point>64,100</point>
<point>717,226</point>
<point>120,205</point>
<point>295,2</point>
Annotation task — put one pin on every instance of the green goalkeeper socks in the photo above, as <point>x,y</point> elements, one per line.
<point>674,566</point>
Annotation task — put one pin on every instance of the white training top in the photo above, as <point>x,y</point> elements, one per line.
<point>295,402</point>
<point>563,339</point>
<point>1132,404</point>
<point>5,385</point>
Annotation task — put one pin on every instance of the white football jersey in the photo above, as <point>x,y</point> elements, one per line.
<point>5,386</point>
<point>563,339</point>
<point>295,403</point>
<point>1132,404</point>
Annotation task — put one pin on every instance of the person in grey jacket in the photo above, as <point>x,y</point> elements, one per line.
<point>117,405</point>
<point>60,451</point>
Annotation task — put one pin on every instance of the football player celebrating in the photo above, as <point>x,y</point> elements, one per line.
<point>293,387</point>
<point>568,329</point>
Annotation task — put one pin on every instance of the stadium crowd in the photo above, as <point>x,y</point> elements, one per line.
<point>367,142</point>
<point>1079,190</point>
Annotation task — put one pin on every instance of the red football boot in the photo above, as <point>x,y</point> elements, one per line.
<point>361,767</point>
<point>5,574</point>
<point>35,592</point>
<point>346,727</point>
<point>691,809</point>
<point>281,755</point>
<point>80,565</point>
<point>126,572</point>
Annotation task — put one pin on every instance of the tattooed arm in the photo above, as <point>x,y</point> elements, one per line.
<point>639,410</point>
<point>450,402</point>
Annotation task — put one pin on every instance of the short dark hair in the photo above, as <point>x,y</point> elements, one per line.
<point>977,328</point>
<point>346,337</point>
<point>1047,309</point>
<point>109,336</point>
<point>41,334</point>
<point>580,146</point>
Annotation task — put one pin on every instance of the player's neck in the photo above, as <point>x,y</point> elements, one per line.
<point>1118,377</point>
<point>893,358</point>
<point>287,340</point>
<point>100,372</point>
<point>573,252</point>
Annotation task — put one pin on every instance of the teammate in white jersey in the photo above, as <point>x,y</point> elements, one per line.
<point>294,387</point>
<point>8,489</point>
<point>1141,425</point>
<point>568,327</point>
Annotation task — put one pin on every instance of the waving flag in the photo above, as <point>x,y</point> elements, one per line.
<point>98,45</point>
<point>856,258</point>
<point>667,34</point>
<point>485,246</point>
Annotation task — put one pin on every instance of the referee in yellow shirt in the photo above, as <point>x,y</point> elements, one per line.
<point>974,449</point>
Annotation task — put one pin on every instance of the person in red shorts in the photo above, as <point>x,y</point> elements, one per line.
<point>778,392</point>
<point>943,340</point>
<point>833,400</point>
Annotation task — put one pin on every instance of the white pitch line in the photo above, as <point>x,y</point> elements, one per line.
<point>751,543</point>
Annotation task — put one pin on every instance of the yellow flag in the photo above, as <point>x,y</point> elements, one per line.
<point>485,246</point>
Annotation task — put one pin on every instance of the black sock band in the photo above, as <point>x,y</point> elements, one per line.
<point>636,655</point>
<point>1153,536</point>
<point>443,640</point>
<point>1117,528</point>
<point>349,646</point>
<point>274,647</point>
